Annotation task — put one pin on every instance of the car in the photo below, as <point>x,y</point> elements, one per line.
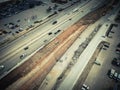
<point>85,87</point>
<point>45,41</point>
<point>2,67</point>
<point>107,46</point>
<point>118,45</point>
<point>75,10</point>
<point>20,29</point>
<point>116,62</point>
<point>97,62</point>
<point>37,22</point>
<point>49,33</point>
<point>54,22</point>
<point>17,31</point>
<point>118,78</point>
<point>104,48</point>
<point>111,73</point>
<point>26,48</point>
<point>112,31</point>
<point>58,30</point>
<point>56,33</point>
<point>60,9</point>
<point>117,51</point>
<point>18,20</point>
<point>109,36</point>
<point>103,36</point>
<point>23,56</point>
<point>115,76</point>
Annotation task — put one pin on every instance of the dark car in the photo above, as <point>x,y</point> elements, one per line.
<point>49,33</point>
<point>118,45</point>
<point>58,30</point>
<point>54,22</point>
<point>60,9</point>
<point>116,62</point>
<point>118,50</point>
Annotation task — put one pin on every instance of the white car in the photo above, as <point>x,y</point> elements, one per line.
<point>1,67</point>
<point>118,78</point>
<point>23,56</point>
<point>75,10</point>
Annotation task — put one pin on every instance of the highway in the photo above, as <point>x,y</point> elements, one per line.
<point>35,40</point>
<point>20,42</point>
<point>10,56</point>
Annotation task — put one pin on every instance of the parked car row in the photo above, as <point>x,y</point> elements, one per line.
<point>11,25</point>
<point>114,75</point>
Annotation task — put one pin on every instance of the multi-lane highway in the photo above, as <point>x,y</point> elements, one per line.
<point>10,55</point>
<point>19,42</point>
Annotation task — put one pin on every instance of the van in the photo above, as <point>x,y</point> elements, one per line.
<point>111,73</point>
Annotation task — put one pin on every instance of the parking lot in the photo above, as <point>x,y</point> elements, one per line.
<point>98,78</point>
